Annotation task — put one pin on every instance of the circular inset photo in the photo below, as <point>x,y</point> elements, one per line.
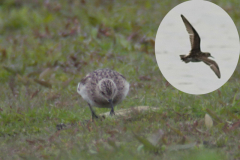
<point>197,47</point>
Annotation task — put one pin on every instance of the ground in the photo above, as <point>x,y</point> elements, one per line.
<point>48,46</point>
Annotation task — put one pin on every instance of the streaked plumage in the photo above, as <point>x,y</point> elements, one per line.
<point>103,88</point>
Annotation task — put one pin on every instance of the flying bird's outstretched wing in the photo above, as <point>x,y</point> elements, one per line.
<point>213,65</point>
<point>194,37</point>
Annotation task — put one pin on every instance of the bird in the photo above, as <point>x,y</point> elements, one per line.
<point>103,88</point>
<point>196,55</point>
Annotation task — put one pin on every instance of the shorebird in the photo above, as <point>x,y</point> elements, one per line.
<point>196,55</point>
<point>103,88</point>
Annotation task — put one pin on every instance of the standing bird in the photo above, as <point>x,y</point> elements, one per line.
<point>196,55</point>
<point>103,88</point>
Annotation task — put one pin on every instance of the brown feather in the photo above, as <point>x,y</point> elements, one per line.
<point>213,65</point>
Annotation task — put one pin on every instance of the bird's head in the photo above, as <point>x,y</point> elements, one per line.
<point>107,89</point>
<point>207,54</point>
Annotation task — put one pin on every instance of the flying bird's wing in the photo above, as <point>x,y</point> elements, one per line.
<point>194,37</point>
<point>213,65</point>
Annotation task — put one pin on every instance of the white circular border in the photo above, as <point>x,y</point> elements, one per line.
<point>219,36</point>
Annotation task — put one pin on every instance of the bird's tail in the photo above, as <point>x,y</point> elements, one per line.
<point>183,58</point>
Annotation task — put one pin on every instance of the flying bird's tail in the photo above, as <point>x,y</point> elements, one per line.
<point>183,58</point>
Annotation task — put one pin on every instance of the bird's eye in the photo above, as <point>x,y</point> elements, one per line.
<point>103,93</point>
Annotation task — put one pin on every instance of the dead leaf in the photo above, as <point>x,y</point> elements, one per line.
<point>175,130</point>
<point>147,145</point>
<point>53,97</point>
<point>30,142</point>
<point>12,85</point>
<point>112,132</point>
<point>219,93</point>
<point>234,126</point>
<point>52,137</point>
<point>214,116</point>
<point>145,78</point>
<point>208,121</point>
<point>155,137</point>
<point>43,83</point>
<point>46,73</point>
<point>4,54</point>
<point>181,147</point>
<point>34,94</point>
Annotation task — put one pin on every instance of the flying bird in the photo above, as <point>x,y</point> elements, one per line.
<point>196,55</point>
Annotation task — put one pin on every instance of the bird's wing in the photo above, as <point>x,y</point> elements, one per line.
<point>194,37</point>
<point>213,65</point>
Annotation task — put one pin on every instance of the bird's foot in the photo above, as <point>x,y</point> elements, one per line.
<point>112,112</point>
<point>94,116</point>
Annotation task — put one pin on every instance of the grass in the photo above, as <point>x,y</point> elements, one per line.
<point>47,47</point>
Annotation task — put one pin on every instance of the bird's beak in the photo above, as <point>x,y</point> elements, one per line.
<point>110,101</point>
<point>112,109</point>
<point>212,56</point>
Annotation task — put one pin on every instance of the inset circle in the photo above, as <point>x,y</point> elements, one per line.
<point>197,73</point>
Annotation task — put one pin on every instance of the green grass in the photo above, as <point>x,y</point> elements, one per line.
<point>60,42</point>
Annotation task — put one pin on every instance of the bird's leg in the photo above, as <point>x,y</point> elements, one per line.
<point>112,109</point>
<point>94,116</point>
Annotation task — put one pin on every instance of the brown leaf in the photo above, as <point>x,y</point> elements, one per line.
<point>219,93</point>
<point>167,84</point>
<point>43,83</point>
<point>112,132</point>
<point>175,130</point>
<point>4,54</point>
<point>134,35</point>
<point>195,124</point>
<point>47,30</point>
<point>53,97</point>
<point>40,147</point>
<point>34,94</point>
<point>225,128</point>
<point>83,1</point>
<point>46,73</point>
<point>145,78</point>
<point>52,137</point>
<point>73,57</point>
<point>12,85</point>
<point>234,126</point>
<point>30,142</point>
<point>103,30</point>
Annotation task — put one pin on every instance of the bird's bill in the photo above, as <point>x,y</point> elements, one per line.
<point>111,102</point>
<point>212,56</point>
<point>112,109</point>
